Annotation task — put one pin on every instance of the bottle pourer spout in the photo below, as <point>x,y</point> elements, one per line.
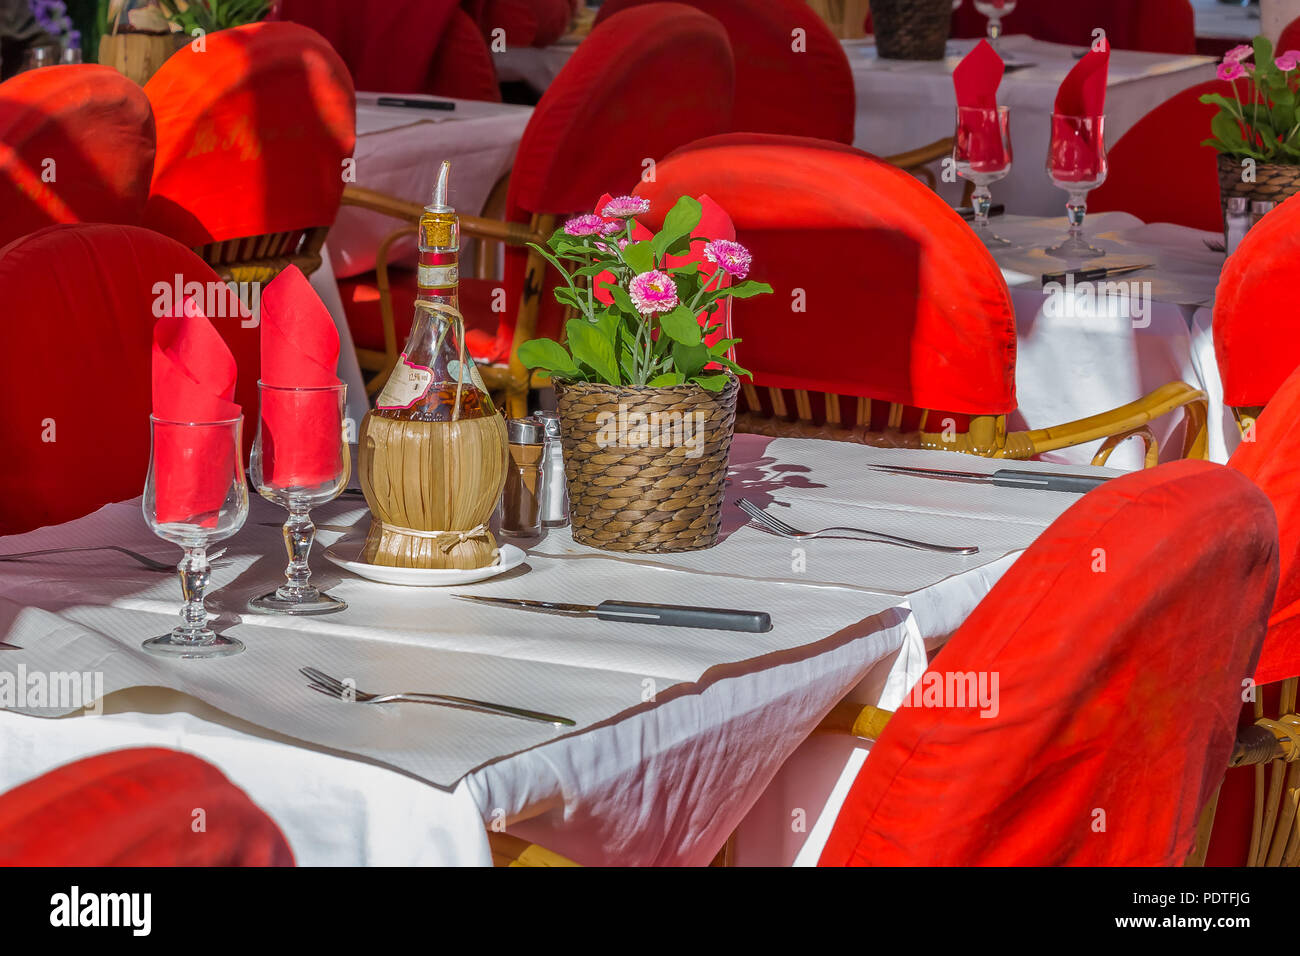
<point>440,203</point>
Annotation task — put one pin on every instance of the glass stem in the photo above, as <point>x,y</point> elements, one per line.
<point>1075,210</point>
<point>995,31</point>
<point>195,572</point>
<point>981,202</point>
<point>299,533</point>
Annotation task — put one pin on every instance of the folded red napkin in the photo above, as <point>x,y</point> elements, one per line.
<point>193,381</point>
<point>1083,91</point>
<point>301,431</point>
<point>977,77</point>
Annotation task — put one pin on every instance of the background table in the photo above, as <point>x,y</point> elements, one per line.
<point>679,730</point>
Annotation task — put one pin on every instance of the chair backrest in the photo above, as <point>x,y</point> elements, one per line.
<point>881,290</point>
<point>1153,26</point>
<point>534,23</point>
<point>76,145</point>
<point>1289,38</point>
<point>85,442</point>
<point>135,808</point>
<point>462,65</point>
<point>1105,673</point>
<point>600,126</point>
<point>1271,459</point>
<point>1183,190</point>
<point>1256,324</point>
<point>254,131</point>
<point>782,85</point>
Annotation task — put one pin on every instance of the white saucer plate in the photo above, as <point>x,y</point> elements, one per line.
<point>344,553</point>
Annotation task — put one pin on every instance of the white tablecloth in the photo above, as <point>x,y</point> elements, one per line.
<point>903,104</point>
<point>639,781</point>
<point>1232,20</point>
<point>1086,359</point>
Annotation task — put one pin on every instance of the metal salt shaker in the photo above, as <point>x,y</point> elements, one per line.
<point>1237,223</point>
<point>555,489</point>
<point>522,498</point>
<point>1259,209</point>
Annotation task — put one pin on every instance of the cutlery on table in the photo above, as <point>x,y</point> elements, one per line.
<point>9,647</point>
<point>330,687</point>
<point>1007,478</point>
<point>778,527</point>
<point>968,213</point>
<point>415,104</point>
<point>630,612</point>
<point>149,563</point>
<point>1091,275</point>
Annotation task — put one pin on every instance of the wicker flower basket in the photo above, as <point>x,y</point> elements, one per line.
<point>1274,182</point>
<point>646,467</point>
<point>911,29</point>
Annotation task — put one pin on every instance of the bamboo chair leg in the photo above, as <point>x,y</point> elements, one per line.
<point>1204,826</point>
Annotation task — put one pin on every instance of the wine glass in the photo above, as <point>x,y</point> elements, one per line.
<point>195,495</point>
<point>982,154</point>
<point>39,56</point>
<point>300,461</point>
<point>1076,163</point>
<point>995,10</point>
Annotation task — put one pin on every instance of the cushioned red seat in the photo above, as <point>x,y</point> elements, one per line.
<point>780,89</point>
<point>137,807</point>
<point>85,442</point>
<point>1119,642</point>
<point>1184,190</point>
<point>891,295</point>
<point>253,132</point>
<point>1289,39</point>
<point>76,145</point>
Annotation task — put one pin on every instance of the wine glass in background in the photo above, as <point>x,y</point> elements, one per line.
<point>39,56</point>
<point>1076,163</point>
<point>982,154</point>
<point>195,495</point>
<point>311,470</point>
<point>995,10</point>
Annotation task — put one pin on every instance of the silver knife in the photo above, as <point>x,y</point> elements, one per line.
<point>9,647</point>
<point>672,615</point>
<point>1007,478</point>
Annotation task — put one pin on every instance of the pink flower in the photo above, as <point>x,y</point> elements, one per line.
<point>1230,70</point>
<point>588,225</point>
<point>625,207</point>
<point>611,227</point>
<point>734,258</point>
<point>653,292</point>
<point>1239,53</point>
<point>1288,61</point>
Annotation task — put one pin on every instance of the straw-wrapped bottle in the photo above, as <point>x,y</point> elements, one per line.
<point>433,450</point>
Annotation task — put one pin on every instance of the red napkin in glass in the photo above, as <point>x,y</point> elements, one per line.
<point>301,437</point>
<point>976,79</point>
<point>1076,152</point>
<point>1083,92</point>
<point>193,381</point>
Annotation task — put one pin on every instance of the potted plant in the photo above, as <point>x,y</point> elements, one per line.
<point>1257,130</point>
<point>139,35</point>
<point>645,386</point>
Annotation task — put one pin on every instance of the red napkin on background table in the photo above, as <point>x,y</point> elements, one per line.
<point>1076,153</point>
<point>301,437</point>
<point>1083,91</point>
<point>193,381</point>
<point>976,80</point>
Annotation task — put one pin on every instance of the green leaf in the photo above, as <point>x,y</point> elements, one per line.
<point>667,380</point>
<point>681,326</point>
<point>1227,130</point>
<point>714,383</point>
<point>621,298</point>
<point>593,348</point>
<point>550,355</point>
<point>747,289</point>
<point>690,359</point>
<point>640,256</point>
<point>678,225</point>
<point>689,269</point>
<point>728,363</point>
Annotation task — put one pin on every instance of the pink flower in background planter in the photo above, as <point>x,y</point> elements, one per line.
<point>1230,70</point>
<point>611,227</point>
<point>1288,61</point>
<point>1239,53</point>
<point>625,207</point>
<point>587,225</point>
<point>653,292</point>
<point>734,258</point>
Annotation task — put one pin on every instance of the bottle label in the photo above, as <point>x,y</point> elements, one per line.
<point>438,276</point>
<point>467,373</point>
<point>407,385</point>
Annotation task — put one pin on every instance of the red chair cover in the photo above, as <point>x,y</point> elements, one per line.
<point>462,65</point>
<point>137,807</point>
<point>1184,190</point>
<point>80,302</point>
<point>1289,39</point>
<point>1118,689</point>
<point>1155,26</point>
<point>596,127</point>
<point>805,92</point>
<point>526,22</point>
<point>903,302</point>
<point>253,132</point>
<point>76,145</point>
<point>1271,459</point>
<point>1256,325</point>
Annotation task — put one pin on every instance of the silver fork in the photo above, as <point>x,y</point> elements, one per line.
<point>149,563</point>
<point>330,687</point>
<point>778,527</point>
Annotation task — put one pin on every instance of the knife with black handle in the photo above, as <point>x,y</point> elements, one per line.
<point>631,612</point>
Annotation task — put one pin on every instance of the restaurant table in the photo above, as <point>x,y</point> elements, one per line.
<point>904,104</point>
<point>678,730</point>
<point>1226,21</point>
<point>1079,354</point>
<point>536,66</point>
